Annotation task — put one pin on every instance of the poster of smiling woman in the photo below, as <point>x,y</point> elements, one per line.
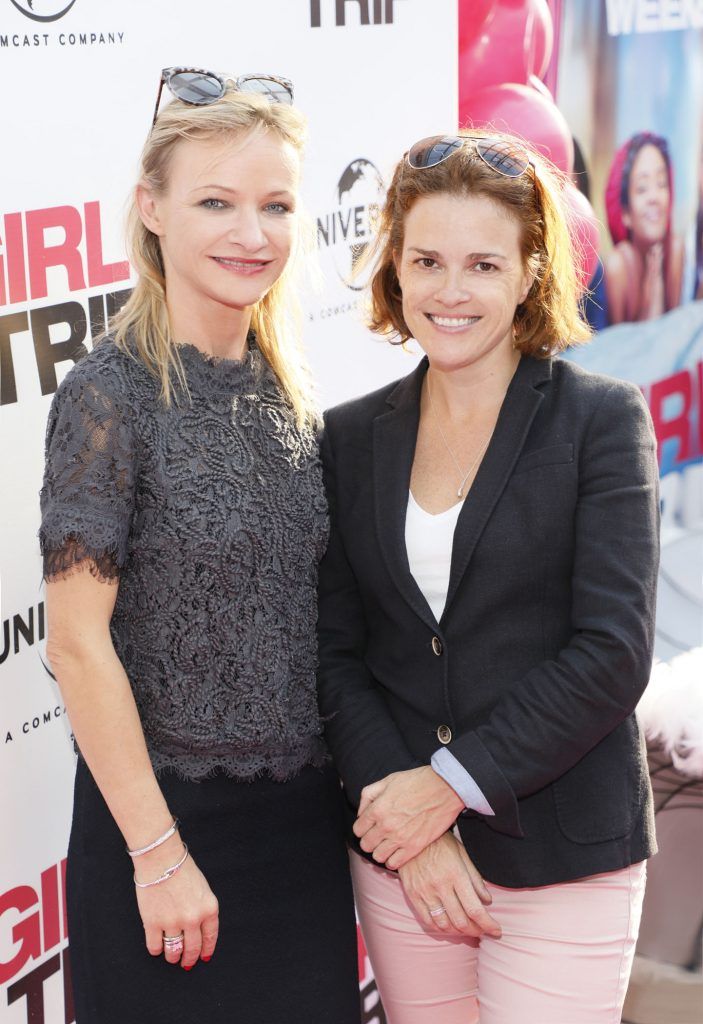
<point>629,86</point>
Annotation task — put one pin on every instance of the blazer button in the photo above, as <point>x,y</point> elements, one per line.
<point>436,645</point>
<point>444,734</point>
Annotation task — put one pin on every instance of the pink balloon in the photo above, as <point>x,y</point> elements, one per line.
<point>523,111</point>
<point>536,83</point>
<point>585,233</point>
<point>542,35</point>
<point>472,14</point>
<point>512,42</point>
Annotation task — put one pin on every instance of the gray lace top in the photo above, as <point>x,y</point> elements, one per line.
<point>212,514</point>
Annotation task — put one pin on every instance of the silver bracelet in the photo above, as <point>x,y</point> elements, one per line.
<point>168,873</point>
<point>157,842</point>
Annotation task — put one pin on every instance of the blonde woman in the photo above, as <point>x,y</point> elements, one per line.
<point>486,612</point>
<point>183,518</point>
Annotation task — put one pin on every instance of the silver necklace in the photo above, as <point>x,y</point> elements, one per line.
<point>465,476</point>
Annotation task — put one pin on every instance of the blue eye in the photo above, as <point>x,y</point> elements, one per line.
<point>213,204</point>
<point>278,208</point>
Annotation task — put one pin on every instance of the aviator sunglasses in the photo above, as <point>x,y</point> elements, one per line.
<point>503,156</point>
<point>200,87</point>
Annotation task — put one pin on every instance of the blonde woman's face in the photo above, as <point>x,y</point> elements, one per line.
<point>462,277</point>
<point>227,220</point>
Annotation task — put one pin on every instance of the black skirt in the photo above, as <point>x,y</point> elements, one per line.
<point>274,855</point>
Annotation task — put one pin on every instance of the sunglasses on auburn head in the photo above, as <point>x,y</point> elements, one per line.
<point>504,156</point>
<point>200,87</point>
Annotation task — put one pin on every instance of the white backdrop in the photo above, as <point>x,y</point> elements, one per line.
<point>78,82</point>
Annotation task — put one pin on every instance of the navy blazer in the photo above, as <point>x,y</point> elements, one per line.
<point>544,647</point>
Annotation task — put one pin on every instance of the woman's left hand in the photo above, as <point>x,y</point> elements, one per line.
<point>447,892</point>
<point>402,814</point>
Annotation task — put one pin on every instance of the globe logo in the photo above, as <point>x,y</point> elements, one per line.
<point>349,229</point>
<point>43,10</point>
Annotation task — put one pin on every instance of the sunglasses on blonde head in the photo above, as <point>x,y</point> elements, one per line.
<point>201,87</point>
<point>506,157</point>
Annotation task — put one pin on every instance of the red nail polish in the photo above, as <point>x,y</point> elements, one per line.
<point>190,968</point>
<point>206,959</point>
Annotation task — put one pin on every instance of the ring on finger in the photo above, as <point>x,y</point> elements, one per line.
<point>437,912</point>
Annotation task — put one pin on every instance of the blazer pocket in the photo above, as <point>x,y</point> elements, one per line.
<point>600,798</point>
<point>554,455</point>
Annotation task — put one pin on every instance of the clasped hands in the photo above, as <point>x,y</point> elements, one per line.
<point>404,822</point>
<point>402,814</point>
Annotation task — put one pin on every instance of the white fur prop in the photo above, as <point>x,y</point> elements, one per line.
<point>671,710</point>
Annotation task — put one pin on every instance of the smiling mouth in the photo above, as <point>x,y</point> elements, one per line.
<point>242,266</point>
<point>452,322</point>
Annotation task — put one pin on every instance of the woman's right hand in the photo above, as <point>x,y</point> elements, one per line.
<point>184,903</point>
<point>83,656</point>
<point>652,287</point>
<point>443,875</point>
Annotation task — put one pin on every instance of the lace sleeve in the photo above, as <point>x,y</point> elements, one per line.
<point>87,498</point>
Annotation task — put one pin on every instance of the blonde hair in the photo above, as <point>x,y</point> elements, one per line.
<point>141,328</point>
<point>549,320</point>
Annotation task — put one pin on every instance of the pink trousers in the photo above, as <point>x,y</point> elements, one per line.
<point>564,956</point>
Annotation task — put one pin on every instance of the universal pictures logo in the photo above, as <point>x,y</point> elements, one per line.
<point>43,10</point>
<point>347,230</point>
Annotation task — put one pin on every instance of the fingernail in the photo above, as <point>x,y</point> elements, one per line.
<point>206,959</point>
<point>188,968</point>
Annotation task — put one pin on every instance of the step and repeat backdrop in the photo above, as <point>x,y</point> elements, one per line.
<point>610,89</point>
<point>78,80</point>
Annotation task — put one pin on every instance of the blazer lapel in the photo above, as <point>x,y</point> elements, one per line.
<point>394,439</point>
<point>516,415</point>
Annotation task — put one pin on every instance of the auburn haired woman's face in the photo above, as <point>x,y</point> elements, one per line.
<point>647,217</point>
<point>226,222</point>
<point>462,277</point>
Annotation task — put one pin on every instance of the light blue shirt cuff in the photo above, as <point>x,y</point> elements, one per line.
<point>455,775</point>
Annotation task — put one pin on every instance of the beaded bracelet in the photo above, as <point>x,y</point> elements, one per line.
<point>168,873</point>
<point>157,842</point>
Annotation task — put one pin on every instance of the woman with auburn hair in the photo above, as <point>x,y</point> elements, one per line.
<point>486,612</point>
<point>183,518</point>
<point>644,271</point>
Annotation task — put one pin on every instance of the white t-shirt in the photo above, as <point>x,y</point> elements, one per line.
<point>428,540</point>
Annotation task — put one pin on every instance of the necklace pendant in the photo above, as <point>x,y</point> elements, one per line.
<point>462,485</point>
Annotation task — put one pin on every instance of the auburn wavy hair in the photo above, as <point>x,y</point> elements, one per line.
<point>550,318</point>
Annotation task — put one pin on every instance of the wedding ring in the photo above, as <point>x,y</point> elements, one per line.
<point>173,940</point>
<point>437,911</point>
